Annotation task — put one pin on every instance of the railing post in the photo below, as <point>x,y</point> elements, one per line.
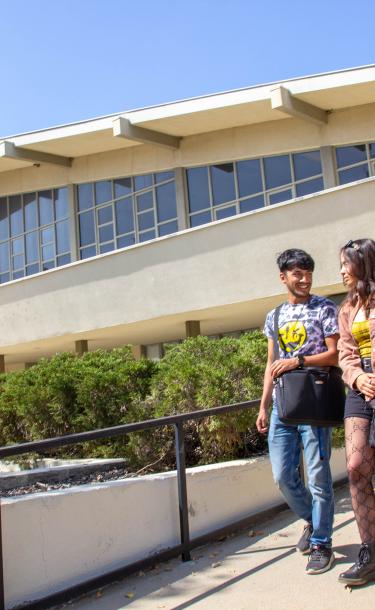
<point>2,594</point>
<point>182,491</point>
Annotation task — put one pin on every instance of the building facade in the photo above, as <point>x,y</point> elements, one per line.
<point>152,225</point>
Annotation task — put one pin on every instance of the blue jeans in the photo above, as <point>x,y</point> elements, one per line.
<point>315,504</point>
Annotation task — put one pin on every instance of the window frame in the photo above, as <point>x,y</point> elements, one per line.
<point>24,270</point>
<point>369,162</point>
<point>266,193</point>
<point>132,196</point>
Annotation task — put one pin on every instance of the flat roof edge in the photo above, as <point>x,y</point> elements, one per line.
<point>198,97</point>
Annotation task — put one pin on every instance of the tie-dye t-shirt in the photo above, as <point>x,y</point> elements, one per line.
<point>304,327</point>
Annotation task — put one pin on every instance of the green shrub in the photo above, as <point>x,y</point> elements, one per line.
<point>201,373</point>
<point>69,394</point>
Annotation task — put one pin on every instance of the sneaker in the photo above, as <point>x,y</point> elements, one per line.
<point>364,568</point>
<point>320,560</point>
<point>303,544</point>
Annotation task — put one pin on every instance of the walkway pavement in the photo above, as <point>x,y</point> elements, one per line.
<point>254,570</point>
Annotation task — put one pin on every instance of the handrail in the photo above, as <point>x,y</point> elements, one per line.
<point>71,439</point>
<point>80,437</point>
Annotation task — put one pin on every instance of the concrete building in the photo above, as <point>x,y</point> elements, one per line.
<point>163,222</point>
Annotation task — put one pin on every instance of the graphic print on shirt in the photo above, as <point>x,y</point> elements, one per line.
<point>292,335</point>
<point>303,327</point>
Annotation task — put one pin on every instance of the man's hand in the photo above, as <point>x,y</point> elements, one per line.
<point>262,421</point>
<point>280,366</point>
<point>366,385</point>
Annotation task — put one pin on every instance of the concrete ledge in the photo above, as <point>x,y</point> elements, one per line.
<point>55,540</point>
<point>49,471</point>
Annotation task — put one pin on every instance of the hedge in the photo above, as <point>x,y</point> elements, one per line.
<point>68,394</point>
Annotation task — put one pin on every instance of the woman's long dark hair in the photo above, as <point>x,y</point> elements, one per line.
<point>360,256</point>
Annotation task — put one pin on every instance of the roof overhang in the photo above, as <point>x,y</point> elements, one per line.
<point>311,98</point>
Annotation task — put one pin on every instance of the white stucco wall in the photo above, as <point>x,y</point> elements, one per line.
<point>192,274</point>
<point>57,539</point>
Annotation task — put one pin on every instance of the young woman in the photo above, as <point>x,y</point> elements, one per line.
<point>357,360</point>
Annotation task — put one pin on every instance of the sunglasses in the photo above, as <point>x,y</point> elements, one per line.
<point>351,244</point>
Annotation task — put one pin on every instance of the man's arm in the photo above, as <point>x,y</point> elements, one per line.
<point>262,419</point>
<point>327,358</point>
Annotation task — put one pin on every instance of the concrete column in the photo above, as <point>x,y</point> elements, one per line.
<point>81,347</point>
<point>192,328</point>
<point>139,351</point>
<point>327,154</point>
<point>73,223</point>
<point>181,198</point>
<point>2,363</point>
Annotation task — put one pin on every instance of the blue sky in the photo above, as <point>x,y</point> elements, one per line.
<point>67,60</point>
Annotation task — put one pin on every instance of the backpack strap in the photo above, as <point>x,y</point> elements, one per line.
<point>276,351</point>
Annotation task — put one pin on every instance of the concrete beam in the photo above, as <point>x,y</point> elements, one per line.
<point>123,128</point>
<point>9,150</point>
<point>284,101</point>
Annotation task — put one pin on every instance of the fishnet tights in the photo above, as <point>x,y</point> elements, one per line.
<point>360,458</point>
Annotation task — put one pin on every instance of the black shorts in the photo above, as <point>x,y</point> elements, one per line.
<point>355,405</point>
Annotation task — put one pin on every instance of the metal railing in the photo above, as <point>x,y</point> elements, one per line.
<point>186,544</point>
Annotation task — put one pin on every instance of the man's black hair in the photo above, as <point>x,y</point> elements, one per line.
<point>289,259</point>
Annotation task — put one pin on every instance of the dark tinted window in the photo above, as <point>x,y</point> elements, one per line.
<point>141,182</point>
<point>46,212</point>
<point>124,216</point>
<point>167,228</point>
<point>103,191</point>
<point>280,196</point>
<point>249,177</point>
<point>254,203</point>
<point>200,219</point>
<point>85,196</point>
<point>311,186</point>
<point>87,228</point>
<point>166,201</point>
<point>16,217</point>
<point>31,211</point>
<point>307,164</point>
<point>353,174</point>
<point>348,155</point>
<point>123,187</point>
<point>222,179</point>
<point>197,181</point>
<point>226,212</point>
<point>277,171</point>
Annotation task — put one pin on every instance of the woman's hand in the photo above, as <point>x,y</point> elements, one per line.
<point>365,383</point>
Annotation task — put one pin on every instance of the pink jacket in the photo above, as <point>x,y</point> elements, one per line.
<point>349,358</point>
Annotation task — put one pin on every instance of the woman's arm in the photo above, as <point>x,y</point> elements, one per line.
<point>350,360</point>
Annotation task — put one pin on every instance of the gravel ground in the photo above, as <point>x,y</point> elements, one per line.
<point>94,478</point>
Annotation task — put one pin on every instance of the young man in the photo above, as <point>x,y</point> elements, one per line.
<point>307,335</point>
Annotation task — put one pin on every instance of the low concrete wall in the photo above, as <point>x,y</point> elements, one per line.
<point>57,539</point>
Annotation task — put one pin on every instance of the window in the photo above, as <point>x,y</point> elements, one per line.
<point>34,233</point>
<point>119,213</point>
<point>355,162</point>
<point>226,189</point>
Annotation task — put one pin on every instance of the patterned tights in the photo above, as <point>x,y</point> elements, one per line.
<point>360,459</point>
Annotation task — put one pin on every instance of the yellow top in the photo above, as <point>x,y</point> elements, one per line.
<point>361,333</point>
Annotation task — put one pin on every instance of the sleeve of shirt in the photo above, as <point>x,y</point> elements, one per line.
<point>268,325</point>
<point>329,319</point>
